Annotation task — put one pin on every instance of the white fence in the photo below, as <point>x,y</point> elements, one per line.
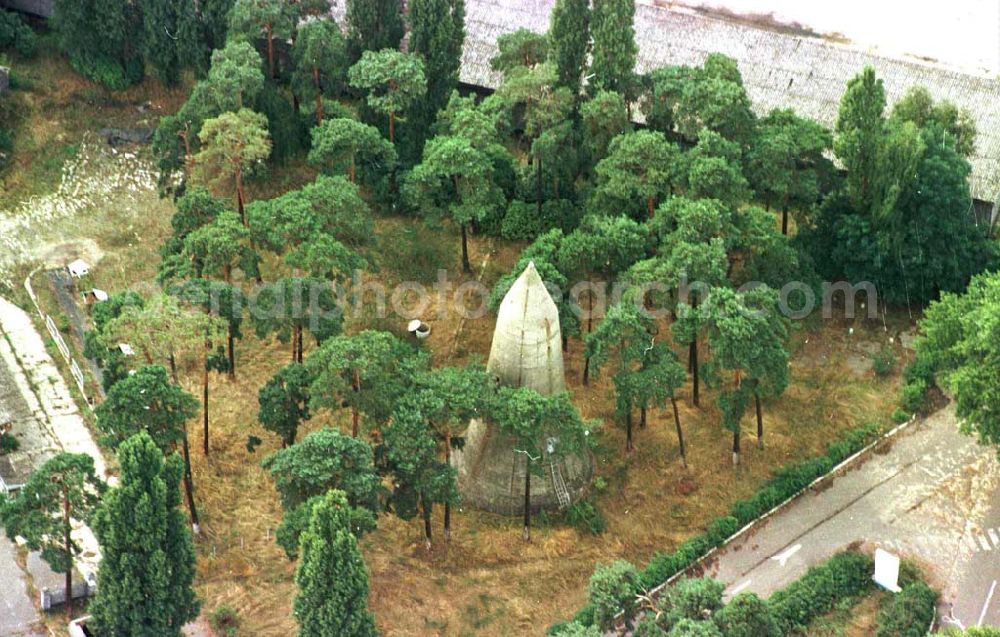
<point>57,336</point>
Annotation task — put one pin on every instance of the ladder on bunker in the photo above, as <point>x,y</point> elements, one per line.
<point>562,494</point>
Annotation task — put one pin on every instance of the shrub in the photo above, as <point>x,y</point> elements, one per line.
<point>224,621</point>
<point>900,416</point>
<point>14,33</point>
<point>573,629</point>
<point>8,444</point>
<point>612,590</point>
<point>586,517</point>
<point>914,395</point>
<point>907,614</point>
<point>522,222</point>
<point>819,590</point>
<point>692,599</point>
<point>746,615</point>
<point>884,362</point>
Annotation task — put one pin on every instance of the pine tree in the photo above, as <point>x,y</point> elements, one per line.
<point>614,49</point>
<point>148,561</point>
<point>373,25</point>
<point>569,40</point>
<point>437,32</point>
<point>331,575</point>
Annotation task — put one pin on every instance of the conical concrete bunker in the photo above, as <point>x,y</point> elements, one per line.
<point>526,352</point>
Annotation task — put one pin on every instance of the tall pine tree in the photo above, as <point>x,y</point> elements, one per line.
<point>373,25</point>
<point>331,575</point>
<point>148,561</point>
<point>437,32</point>
<point>614,49</point>
<point>569,39</point>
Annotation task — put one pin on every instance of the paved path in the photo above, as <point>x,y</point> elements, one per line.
<point>926,498</point>
<point>18,616</point>
<point>45,419</point>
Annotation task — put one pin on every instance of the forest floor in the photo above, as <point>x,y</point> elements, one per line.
<point>487,581</point>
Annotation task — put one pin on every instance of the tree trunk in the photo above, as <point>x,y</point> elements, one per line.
<point>586,371</point>
<point>736,445</point>
<point>352,171</point>
<point>392,127</point>
<point>760,422</point>
<point>447,503</point>
<point>427,521</point>
<point>680,433</point>
<point>231,347</point>
<point>649,206</point>
<point>355,417</point>
<point>784,221</point>
<point>642,417</point>
<point>173,368</point>
<point>465,251</point>
<point>204,400</point>
<point>269,29</point>
<point>239,195</point>
<point>628,431</point>
<point>189,485</point>
<point>300,348</point>
<point>319,97</point>
<point>527,498</point>
<point>694,370</point>
<point>295,343</point>
<point>68,546</point>
<point>565,342</point>
<point>538,186</point>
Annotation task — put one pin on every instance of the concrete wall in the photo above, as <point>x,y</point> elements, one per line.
<point>41,8</point>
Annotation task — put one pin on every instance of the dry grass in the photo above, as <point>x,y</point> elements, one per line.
<point>487,582</point>
<point>851,620</point>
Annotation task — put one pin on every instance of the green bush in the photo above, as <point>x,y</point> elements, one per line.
<point>819,590</point>
<point>786,483</point>
<point>914,395</point>
<point>586,517</point>
<point>573,629</point>
<point>900,416</point>
<point>15,34</point>
<point>884,362</point>
<point>224,621</point>
<point>8,444</point>
<point>523,223</point>
<point>907,614</point>
<point>612,590</point>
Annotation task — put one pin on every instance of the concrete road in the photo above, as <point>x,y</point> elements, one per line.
<point>927,498</point>
<point>18,616</point>
<point>975,601</point>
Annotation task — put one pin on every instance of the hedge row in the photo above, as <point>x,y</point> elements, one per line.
<point>786,482</point>
<point>819,590</point>
<point>908,613</point>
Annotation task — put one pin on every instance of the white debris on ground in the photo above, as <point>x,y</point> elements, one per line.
<point>23,351</point>
<point>95,176</point>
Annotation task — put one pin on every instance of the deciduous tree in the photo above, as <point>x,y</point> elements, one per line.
<point>267,19</point>
<point>342,144</point>
<point>284,402</point>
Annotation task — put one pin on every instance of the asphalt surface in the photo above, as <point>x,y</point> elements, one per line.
<point>18,616</point>
<point>931,498</point>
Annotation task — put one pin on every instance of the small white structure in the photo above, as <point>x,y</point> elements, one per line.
<point>126,349</point>
<point>886,570</point>
<point>94,295</point>
<point>418,328</point>
<point>78,268</point>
